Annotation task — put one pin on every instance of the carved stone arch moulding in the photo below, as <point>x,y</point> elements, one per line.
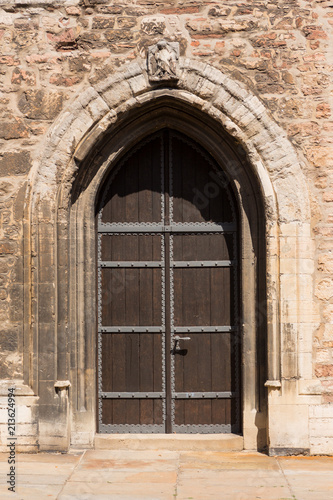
<point>61,199</point>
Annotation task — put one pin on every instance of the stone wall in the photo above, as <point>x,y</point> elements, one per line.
<point>52,51</point>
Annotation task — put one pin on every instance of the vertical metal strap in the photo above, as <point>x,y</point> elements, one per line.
<point>162,168</point>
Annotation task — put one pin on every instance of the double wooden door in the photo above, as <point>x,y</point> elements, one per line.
<point>168,337</point>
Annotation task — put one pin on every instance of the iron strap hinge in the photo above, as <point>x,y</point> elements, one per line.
<point>131,264</point>
<point>203,329</point>
<point>131,329</point>
<point>200,227</point>
<point>205,395</point>
<point>203,263</point>
<point>132,395</point>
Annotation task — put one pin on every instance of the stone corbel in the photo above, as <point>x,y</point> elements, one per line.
<point>62,385</point>
<point>273,384</point>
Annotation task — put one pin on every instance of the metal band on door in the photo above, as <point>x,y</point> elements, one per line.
<point>174,337</point>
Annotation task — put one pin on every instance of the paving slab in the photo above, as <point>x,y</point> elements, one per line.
<point>33,492</point>
<point>178,442</point>
<point>234,492</point>
<point>139,491</point>
<point>167,475</point>
<point>234,461</point>
<point>306,463</point>
<point>246,475</point>
<point>112,476</point>
<point>126,460</point>
<point>130,454</point>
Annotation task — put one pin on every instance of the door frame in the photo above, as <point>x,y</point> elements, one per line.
<point>158,115</point>
<point>215,185</point>
<point>58,251</point>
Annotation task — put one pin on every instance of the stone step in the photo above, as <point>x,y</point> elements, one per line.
<point>172,442</point>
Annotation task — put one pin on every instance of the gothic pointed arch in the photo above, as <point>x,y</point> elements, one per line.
<point>86,141</point>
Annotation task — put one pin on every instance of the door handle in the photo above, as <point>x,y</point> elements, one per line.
<point>175,348</point>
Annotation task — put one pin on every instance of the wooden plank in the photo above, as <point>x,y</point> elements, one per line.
<point>131,194</point>
<point>119,412</point>
<point>202,297</point>
<point>179,412</point>
<point>157,363</point>
<point>145,296</point>
<point>158,412</point>
<point>119,361</point>
<point>107,363</point>
<point>115,247</point>
<point>116,303</point>
<point>156,297</point>
<point>221,307</point>
<point>167,284</point>
<point>217,363</point>
<point>146,408</point>
<point>205,411</point>
<point>146,369</point>
<point>145,167</point>
<point>114,202</point>
<point>132,371</point>
<point>178,296</point>
<point>203,363</point>
<point>219,411</point>
<point>107,411</point>
<point>176,182</point>
<point>132,414</point>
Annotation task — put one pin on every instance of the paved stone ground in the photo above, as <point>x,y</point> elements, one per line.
<point>168,475</point>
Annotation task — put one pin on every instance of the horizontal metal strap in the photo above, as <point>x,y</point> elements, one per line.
<point>130,228</point>
<point>204,395</point>
<point>205,428</point>
<point>131,264</point>
<point>132,395</point>
<point>131,329</point>
<point>202,227</point>
<point>173,228</point>
<point>203,263</point>
<point>204,329</point>
<point>132,428</point>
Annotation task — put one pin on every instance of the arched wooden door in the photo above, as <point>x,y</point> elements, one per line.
<point>168,334</point>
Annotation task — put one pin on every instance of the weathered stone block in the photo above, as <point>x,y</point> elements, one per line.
<point>324,370</point>
<point>17,163</point>
<point>13,129</point>
<point>126,22</point>
<point>8,339</point>
<point>117,35</point>
<point>321,445</point>
<point>324,289</point>
<point>40,104</point>
<point>154,25</point>
<point>103,22</point>
<point>20,75</point>
<point>7,247</point>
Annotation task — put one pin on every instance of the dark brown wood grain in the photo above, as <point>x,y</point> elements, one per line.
<point>132,362</point>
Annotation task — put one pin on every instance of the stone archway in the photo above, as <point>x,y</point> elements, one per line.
<point>60,202</point>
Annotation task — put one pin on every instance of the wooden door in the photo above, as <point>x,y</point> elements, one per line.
<point>168,334</point>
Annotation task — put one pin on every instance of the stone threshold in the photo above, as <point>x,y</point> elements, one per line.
<point>172,442</point>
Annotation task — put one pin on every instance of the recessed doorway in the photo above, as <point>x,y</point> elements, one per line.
<point>168,293</point>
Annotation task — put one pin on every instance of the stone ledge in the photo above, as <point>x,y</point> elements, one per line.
<point>20,388</point>
<point>172,442</point>
<point>288,452</point>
